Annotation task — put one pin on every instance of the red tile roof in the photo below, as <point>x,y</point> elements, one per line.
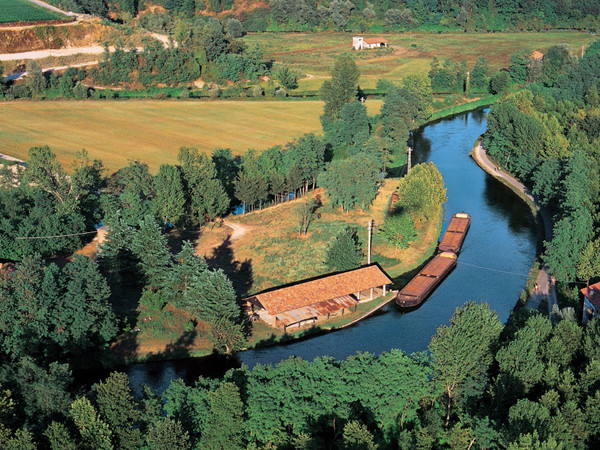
<point>319,290</point>
<point>593,295</point>
<point>316,310</point>
<point>375,41</point>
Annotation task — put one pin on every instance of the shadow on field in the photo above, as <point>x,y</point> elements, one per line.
<point>240,273</point>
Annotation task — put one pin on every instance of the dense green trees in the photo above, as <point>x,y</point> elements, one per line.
<point>342,87</point>
<point>50,312</point>
<point>351,182</point>
<point>345,251</point>
<point>530,382</point>
<point>546,135</point>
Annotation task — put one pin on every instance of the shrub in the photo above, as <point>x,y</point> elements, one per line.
<point>257,91</point>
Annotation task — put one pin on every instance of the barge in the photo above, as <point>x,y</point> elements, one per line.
<point>419,288</point>
<point>455,233</point>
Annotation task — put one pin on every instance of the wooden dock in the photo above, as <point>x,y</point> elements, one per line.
<point>455,233</point>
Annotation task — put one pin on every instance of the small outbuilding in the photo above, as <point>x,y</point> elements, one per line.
<point>360,43</point>
<point>316,299</point>
<point>591,302</point>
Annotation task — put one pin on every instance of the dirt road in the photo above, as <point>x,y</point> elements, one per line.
<point>545,284</point>
<point>238,230</point>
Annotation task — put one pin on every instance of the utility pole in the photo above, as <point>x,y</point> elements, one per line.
<point>369,241</point>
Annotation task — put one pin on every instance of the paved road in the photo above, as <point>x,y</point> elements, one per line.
<point>545,284</point>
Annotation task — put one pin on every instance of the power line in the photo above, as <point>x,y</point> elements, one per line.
<point>493,270</point>
<point>56,236</point>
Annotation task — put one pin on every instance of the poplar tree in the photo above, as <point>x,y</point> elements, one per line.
<point>169,201</point>
<point>342,87</point>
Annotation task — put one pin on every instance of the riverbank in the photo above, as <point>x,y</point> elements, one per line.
<point>545,291</point>
<point>410,262</point>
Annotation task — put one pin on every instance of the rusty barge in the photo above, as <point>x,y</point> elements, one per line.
<point>424,283</point>
<point>426,280</point>
<point>455,233</point>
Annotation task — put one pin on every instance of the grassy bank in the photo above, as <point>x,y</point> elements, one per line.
<point>463,107</point>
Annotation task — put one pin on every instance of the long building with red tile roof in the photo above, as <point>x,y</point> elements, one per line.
<point>318,298</point>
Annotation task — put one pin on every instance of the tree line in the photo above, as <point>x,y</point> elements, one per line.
<point>532,383</point>
<point>365,15</point>
<point>547,134</point>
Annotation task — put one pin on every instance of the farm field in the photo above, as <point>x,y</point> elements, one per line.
<point>408,53</point>
<point>153,131</point>
<point>24,11</point>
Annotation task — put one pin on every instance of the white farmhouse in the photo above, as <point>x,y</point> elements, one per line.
<point>360,43</point>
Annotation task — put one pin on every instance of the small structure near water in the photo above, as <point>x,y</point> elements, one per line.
<point>360,43</point>
<point>317,299</point>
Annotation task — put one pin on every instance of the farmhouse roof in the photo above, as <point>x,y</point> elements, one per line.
<point>330,287</point>
<point>593,295</point>
<point>378,40</point>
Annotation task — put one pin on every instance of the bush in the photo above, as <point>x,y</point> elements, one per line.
<point>281,93</point>
<point>257,91</point>
<point>399,229</point>
<point>152,301</point>
<point>214,92</point>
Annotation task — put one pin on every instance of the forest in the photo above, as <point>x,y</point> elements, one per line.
<point>547,135</point>
<point>365,15</point>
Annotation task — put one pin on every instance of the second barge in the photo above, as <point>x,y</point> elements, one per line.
<point>455,233</point>
<point>426,280</point>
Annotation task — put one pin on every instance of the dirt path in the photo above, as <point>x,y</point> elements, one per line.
<point>39,54</point>
<point>238,230</point>
<point>545,283</point>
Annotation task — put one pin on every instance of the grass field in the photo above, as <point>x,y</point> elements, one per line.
<point>24,11</point>
<point>272,253</point>
<point>152,131</point>
<point>409,53</point>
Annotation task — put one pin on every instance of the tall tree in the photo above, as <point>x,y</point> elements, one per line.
<point>345,252</point>
<point>95,434</point>
<point>169,201</point>
<point>149,245</point>
<point>342,87</point>
<point>206,195</point>
<point>464,349</point>
<point>118,409</point>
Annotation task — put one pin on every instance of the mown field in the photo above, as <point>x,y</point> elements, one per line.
<point>152,131</point>
<point>24,11</point>
<point>312,54</point>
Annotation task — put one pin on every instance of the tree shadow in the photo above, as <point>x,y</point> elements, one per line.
<point>178,349</point>
<point>239,272</point>
<point>175,239</point>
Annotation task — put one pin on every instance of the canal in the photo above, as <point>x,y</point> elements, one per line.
<point>492,267</point>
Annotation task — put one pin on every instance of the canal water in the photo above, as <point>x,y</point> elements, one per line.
<point>492,267</point>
